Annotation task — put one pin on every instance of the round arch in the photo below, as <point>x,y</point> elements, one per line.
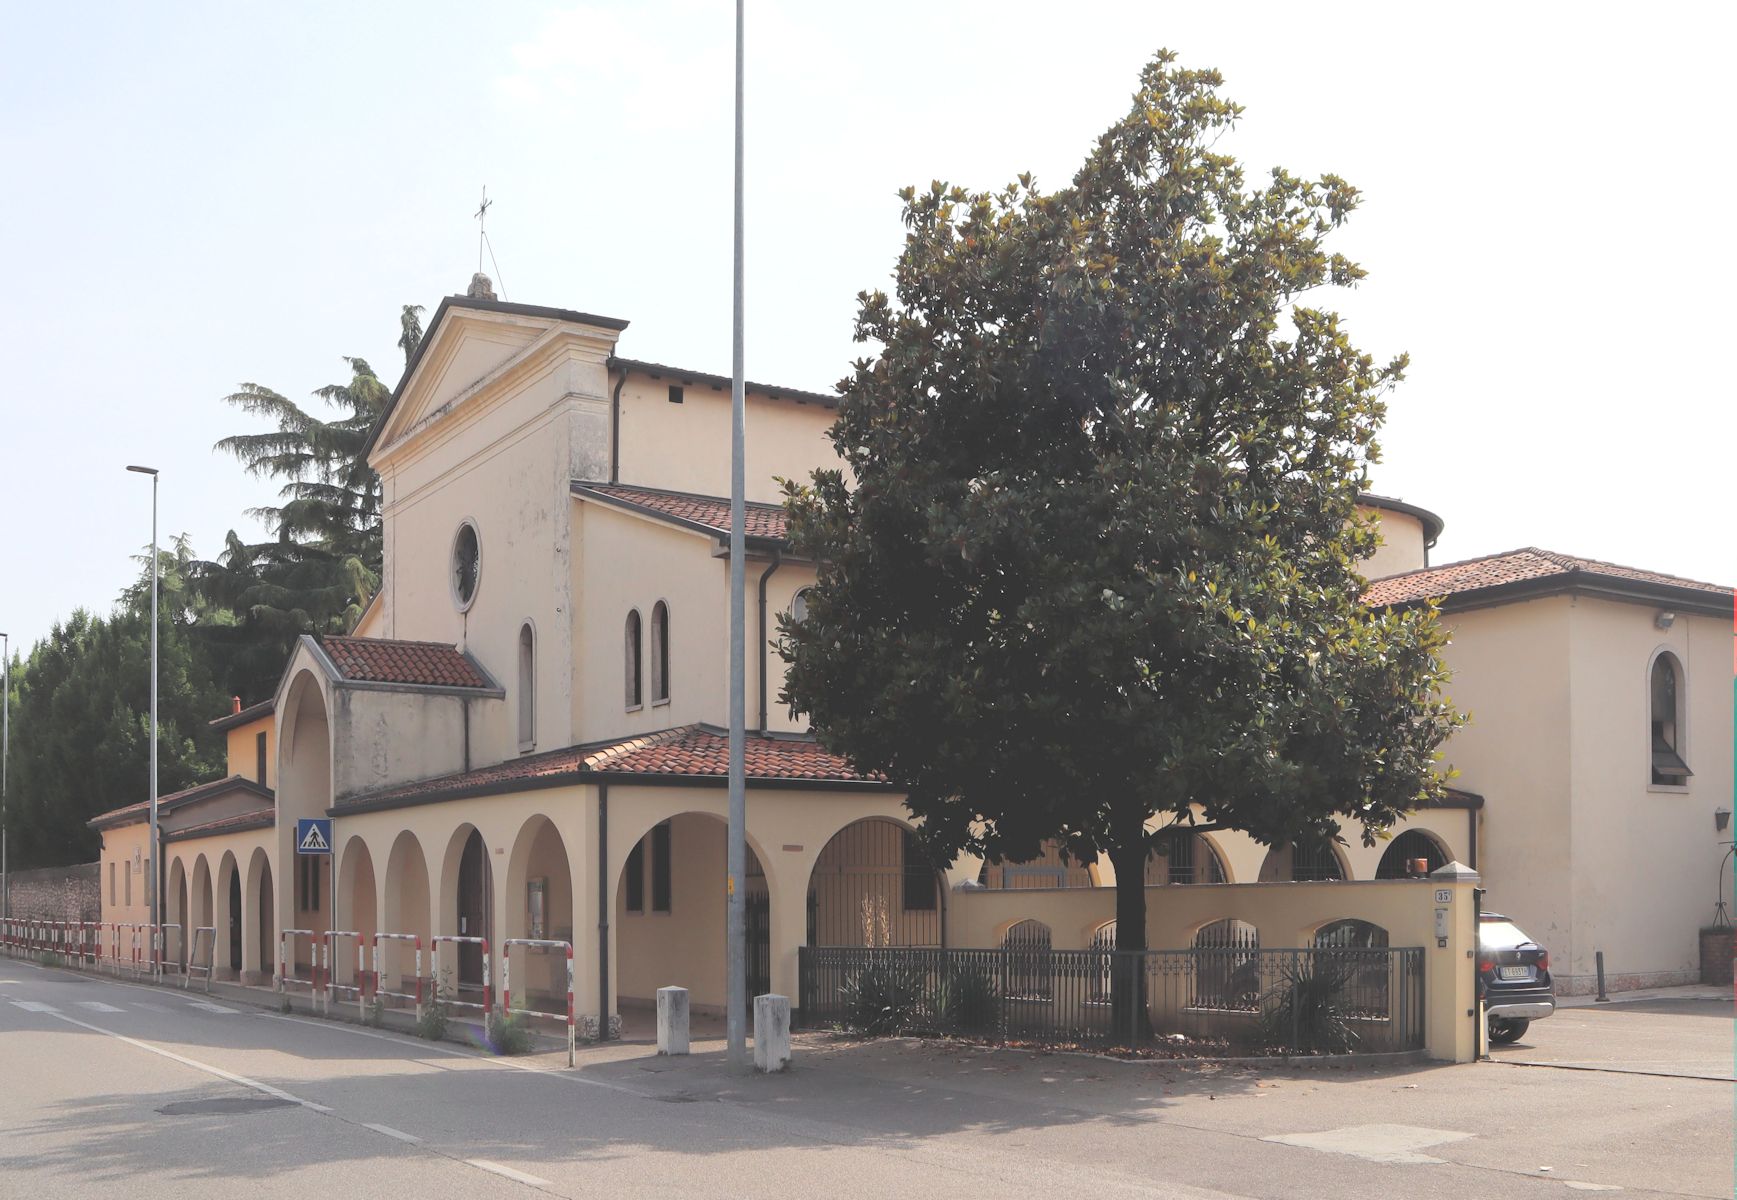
<point>1348,933</point>
<point>405,908</point>
<point>1304,862</point>
<point>227,909</point>
<point>175,913</point>
<point>259,923</point>
<point>540,906</point>
<point>358,906</point>
<point>872,884</point>
<point>1183,856</point>
<point>201,911</point>
<point>466,907</point>
<point>1408,847</point>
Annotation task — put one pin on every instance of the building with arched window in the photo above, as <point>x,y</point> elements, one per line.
<point>514,742</point>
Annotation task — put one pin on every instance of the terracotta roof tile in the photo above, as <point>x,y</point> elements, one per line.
<point>691,751</point>
<point>199,791</point>
<point>711,513</point>
<point>381,660</point>
<point>1512,567</point>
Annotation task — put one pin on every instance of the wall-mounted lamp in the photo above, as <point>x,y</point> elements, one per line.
<point>1665,620</point>
<point>1721,819</point>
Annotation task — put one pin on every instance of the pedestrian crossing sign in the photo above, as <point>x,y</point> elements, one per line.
<point>314,835</point>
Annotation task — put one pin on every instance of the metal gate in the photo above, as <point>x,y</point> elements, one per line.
<point>758,936</point>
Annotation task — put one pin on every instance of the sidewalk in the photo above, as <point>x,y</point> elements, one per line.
<point>1692,991</point>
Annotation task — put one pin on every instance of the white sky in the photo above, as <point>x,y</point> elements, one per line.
<point>197,195</point>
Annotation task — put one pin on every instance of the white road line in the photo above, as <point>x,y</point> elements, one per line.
<point>36,1006</point>
<point>508,1172</point>
<point>244,1081</point>
<point>208,1006</point>
<point>392,1133</point>
<point>157,1008</point>
<point>98,1006</point>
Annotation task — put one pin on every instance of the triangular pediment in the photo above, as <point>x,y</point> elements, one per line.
<point>471,343</point>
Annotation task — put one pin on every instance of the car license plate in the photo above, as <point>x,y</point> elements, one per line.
<point>1513,972</point>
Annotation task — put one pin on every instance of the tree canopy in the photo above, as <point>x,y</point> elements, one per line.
<point>1091,567</point>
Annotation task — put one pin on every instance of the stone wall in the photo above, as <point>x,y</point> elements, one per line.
<point>57,893</point>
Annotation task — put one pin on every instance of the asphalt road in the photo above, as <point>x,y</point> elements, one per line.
<point>114,1089</point>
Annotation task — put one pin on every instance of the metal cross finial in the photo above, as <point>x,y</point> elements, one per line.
<point>481,215</point>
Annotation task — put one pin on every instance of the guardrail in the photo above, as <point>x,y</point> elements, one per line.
<point>380,974</point>
<point>193,954</point>
<point>434,944</point>
<point>333,987</point>
<point>287,964</point>
<point>507,983</point>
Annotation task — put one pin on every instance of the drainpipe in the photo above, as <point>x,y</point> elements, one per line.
<point>615,428</point>
<point>602,911</point>
<point>777,561</point>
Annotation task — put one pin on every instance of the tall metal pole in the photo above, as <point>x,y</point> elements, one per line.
<point>5,750</point>
<point>735,925</point>
<point>151,889</point>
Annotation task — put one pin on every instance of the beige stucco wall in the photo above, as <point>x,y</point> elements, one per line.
<point>1402,544</point>
<point>686,447</point>
<point>1628,832</point>
<point>243,750</point>
<point>123,856</point>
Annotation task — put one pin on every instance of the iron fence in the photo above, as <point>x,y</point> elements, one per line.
<point>1209,1001</point>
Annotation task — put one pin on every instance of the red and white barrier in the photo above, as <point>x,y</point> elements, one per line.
<point>330,939</point>
<point>287,964</point>
<point>434,944</point>
<point>380,971</point>
<point>193,955</point>
<point>507,983</point>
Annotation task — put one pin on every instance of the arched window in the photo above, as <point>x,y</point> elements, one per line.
<point>799,606</point>
<point>1030,970</point>
<point>1183,856</point>
<point>1227,972</point>
<point>635,696</point>
<point>527,687</point>
<point>660,653</point>
<point>1405,851</point>
<point>1666,703</point>
<point>1350,934</point>
<point>1302,862</point>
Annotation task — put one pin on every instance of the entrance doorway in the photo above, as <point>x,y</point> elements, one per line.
<point>475,890</point>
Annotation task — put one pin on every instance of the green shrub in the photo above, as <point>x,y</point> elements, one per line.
<point>1306,1013</point>
<point>882,999</point>
<point>376,1013</point>
<point>967,1001</point>
<point>509,1034</point>
<point>436,1013</point>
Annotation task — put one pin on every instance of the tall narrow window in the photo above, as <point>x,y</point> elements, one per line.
<point>635,881</point>
<point>129,885</point>
<point>310,881</point>
<point>1666,690</point>
<point>527,687</point>
<point>660,868</point>
<point>259,756</point>
<point>919,880</point>
<point>631,645</point>
<point>111,882</point>
<point>660,653</point>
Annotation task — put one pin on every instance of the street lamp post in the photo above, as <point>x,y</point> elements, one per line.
<point>5,749</point>
<point>151,889</point>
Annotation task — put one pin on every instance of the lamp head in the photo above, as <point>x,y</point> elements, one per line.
<point>152,471</point>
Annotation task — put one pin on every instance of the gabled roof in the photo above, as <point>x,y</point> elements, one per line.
<point>690,755</point>
<point>174,800</point>
<point>413,664</point>
<point>251,713</point>
<point>724,383</point>
<point>263,818</point>
<point>478,304</point>
<point>1529,572</point>
<point>762,523</point>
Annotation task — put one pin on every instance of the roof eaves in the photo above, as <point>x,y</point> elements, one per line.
<point>723,382</point>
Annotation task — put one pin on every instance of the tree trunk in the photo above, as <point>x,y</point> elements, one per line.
<point>1128,1014</point>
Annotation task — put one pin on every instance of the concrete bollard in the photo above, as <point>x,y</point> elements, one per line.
<point>672,1020</point>
<point>771,1033</point>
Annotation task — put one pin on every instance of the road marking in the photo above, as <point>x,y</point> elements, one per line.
<point>243,1080</point>
<point>1374,1143</point>
<point>208,1006</point>
<point>393,1133</point>
<point>157,1008</point>
<point>319,1108</point>
<point>1578,1186</point>
<point>508,1173</point>
<point>36,1006</point>
<point>97,1006</point>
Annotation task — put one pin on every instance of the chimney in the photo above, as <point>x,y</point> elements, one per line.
<point>481,288</point>
<point>234,705</point>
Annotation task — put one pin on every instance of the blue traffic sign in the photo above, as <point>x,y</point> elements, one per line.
<point>313,835</point>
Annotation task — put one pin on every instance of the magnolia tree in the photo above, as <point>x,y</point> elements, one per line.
<point>1092,569</point>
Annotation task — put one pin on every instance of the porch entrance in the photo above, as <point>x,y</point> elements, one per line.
<point>475,889</point>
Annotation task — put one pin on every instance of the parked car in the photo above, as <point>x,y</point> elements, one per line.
<point>1513,978</point>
